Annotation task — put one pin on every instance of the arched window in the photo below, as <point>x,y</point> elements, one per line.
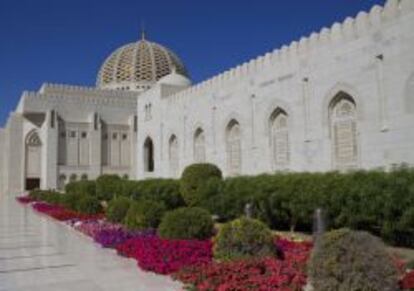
<point>148,155</point>
<point>343,122</point>
<point>199,146</point>
<point>173,155</point>
<point>233,148</point>
<point>279,132</point>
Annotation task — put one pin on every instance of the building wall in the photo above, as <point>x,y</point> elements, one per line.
<point>369,58</point>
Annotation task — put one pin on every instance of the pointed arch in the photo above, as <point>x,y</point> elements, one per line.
<point>343,120</point>
<point>234,147</point>
<point>279,133</point>
<point>173,155</point>
<point>33,160</point>
<point>199,146</point>
<point>148,155</point>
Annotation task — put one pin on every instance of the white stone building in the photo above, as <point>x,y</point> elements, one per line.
<point>339,99</point>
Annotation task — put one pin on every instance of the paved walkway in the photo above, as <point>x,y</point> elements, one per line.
<point>37,253</point>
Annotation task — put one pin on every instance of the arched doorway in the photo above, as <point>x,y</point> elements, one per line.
<point>199,146</point>
<point>33,160</point>
<point>148,155</point>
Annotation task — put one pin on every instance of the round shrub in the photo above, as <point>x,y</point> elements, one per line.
<point>117,209</point>
<point>144,214</point>
<point>193,178</point>
<point>89,205</point>
<point>351,260</point>
<point>243,238</point>
<point>186,223</point>
<point>108,186</point>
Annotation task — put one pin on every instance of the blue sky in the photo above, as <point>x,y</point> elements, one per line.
<point>60,41</point>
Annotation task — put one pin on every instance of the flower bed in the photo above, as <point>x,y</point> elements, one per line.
<point>407,283</point>
<point>257,274</point>
<point>191,262</point>
<point>62,214</point>
<point>25,199</point>
<point>166,256</point>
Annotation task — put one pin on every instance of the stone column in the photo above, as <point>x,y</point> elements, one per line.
<point>133,132</point>
<point>14,155</point>
<point>95,145</point>
<point>379,67</point>
<point>49,157</point>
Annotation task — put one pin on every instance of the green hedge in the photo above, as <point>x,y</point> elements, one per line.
<point>108,187</point>
<point>376,201</point>
<point>83,187</point>
<point>162,190</point>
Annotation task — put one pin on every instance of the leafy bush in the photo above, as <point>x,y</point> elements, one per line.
<point>51,197</point>
<point>352,260</point>
<point>243,238</point>
<point>144,214</point>
<point>186,223</point>
<point>163,190</point>
<point>193,179</point>
<point>108,186</point>
<point>117,209</point>
<point>83,187</point>
<point>48,196</point>
<point>89,205</point>
<point>70,200</point>
<point>375,201</point>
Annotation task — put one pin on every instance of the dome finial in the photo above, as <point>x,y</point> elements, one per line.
<point>143,32</point>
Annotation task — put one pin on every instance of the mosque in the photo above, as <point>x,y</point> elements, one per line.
<point>338,99</point>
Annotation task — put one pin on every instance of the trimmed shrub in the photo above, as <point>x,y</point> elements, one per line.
<point>186,223</point>
<point>352,260</point>
<point>163,190</point>
<point>193,178</point>
<point>83,187</point>
<point>108,186</point>
<point>243,238</point>
<point>89,205</point>
<point>117,209</point>
<point>144,214</point>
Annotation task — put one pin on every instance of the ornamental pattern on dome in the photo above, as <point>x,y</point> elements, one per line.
<point>137,66</point>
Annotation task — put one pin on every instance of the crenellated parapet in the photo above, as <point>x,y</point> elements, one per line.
<point>350,29</point>
<point>65,94</point>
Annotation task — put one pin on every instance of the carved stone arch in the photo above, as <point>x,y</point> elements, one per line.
<point>230,117</point>
<point>199,145</point>
<point>33,139</point>
<point>333,92</point>
<point>274,105</point>
<point>409,95</point>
